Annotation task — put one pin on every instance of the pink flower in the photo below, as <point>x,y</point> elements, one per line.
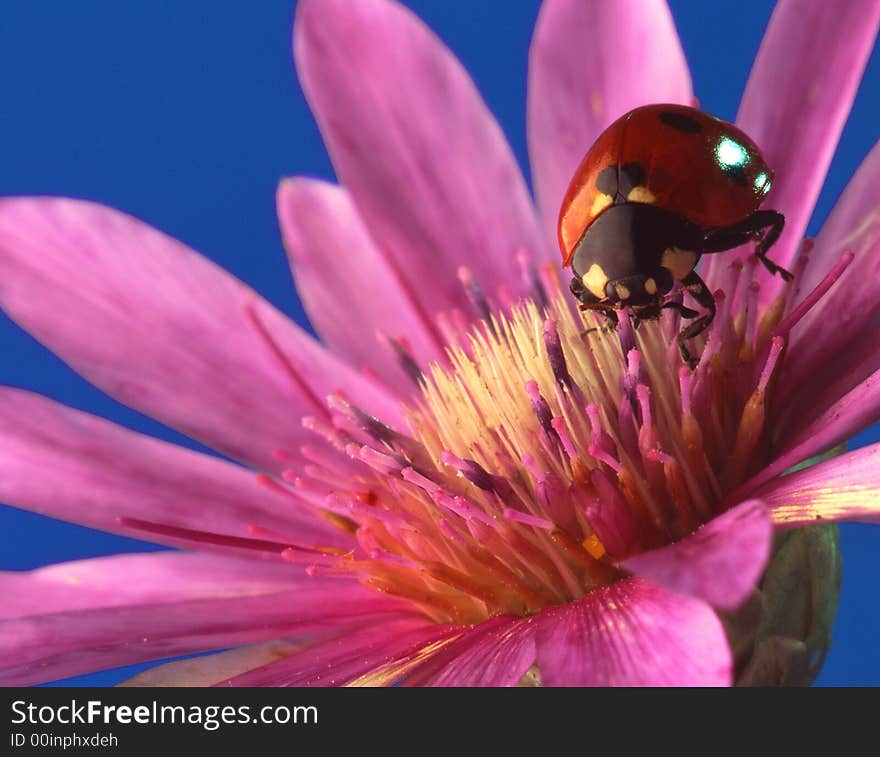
<point>461,502</point>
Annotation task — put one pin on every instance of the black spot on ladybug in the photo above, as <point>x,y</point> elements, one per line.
<point>618,183</point>
<point>681,122</point>
<point>606,181</point>
<point>631,175</point>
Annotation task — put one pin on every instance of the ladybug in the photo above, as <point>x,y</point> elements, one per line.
<point>660,187</point>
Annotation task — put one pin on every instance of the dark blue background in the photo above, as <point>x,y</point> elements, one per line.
<point>187,113</point>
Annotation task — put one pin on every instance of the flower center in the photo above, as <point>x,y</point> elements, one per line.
<point>549,449</point>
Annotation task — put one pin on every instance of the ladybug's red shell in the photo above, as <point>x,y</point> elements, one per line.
<point>672,156</point>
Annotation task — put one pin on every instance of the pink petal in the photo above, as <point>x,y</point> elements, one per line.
<point>164,330</point>
<point>853,371</point>
<point>721,562</point>
<point>349,289</point>
<point>125,580</point>
<point>60,462</point>
<point>842,488</point>
<point>797,100</point>
<point>633,633</point>
<point>349,656</point>
<point>425,162</point>
<point>590,62</point>
<point>210,669</point>
<point>497,652</point>
<point>853,412</point>
<point>834,347</point>
<point>62,644</point>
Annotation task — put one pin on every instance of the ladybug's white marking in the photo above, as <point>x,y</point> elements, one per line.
<point>650,286</point>
<point>623,292</point>
<point>641,194</point>
<point>601,202</point>
<point>595,280</point>
<point>678,262</point>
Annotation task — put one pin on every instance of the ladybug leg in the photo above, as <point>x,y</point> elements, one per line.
<point>645,313</point>
<point>578,289</point>
<point>776,221</point>
<point>683,311</point>
<point>672,300</point>
<point>588,301</point>
<point>611,320</point>
<point>765,226</point>
<point>700,292</point>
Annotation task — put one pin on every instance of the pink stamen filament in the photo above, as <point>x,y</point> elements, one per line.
<point>463,509</point>
<point>299,557</point>
<point>528,520</point>
<point>776,345</point>
<point>207,537</point>
<point>562,432</point>
<point>685,382</point>
<point>817,294</point>
<point>604,457</point>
